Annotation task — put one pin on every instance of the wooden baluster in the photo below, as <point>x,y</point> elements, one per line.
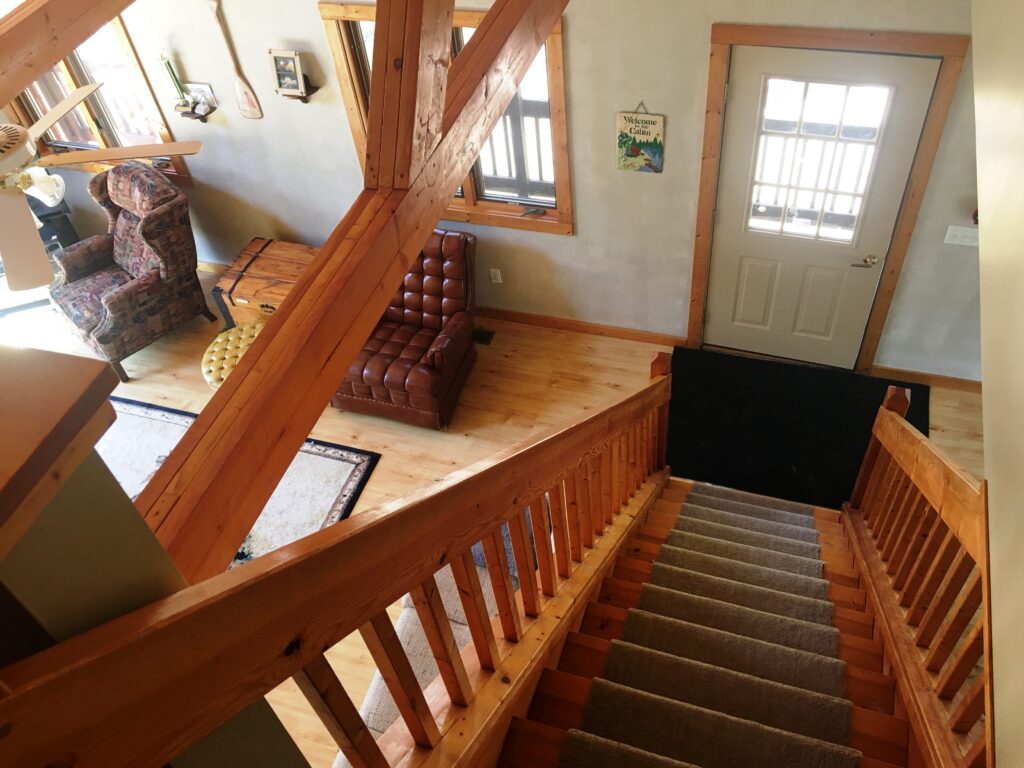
<point>970,708</point>
<point>894,477</point>
<point>876,483</point>
<point>662,455</point>
<point>478,619</point>
<point>638,438</point>
<point>916,506</point>
<point>339,715</point>
<point>634,460</point>
<point>389,656</point>
<point>525,567</point>
<point>967,657</point>
<point>918,543</point>
<point>542,545</point>
<point>501,583</point>
<point>977,755</point>
<point>594,481</point>
<point>624,483</point>
<point>607,507</point>
<point>616,475</point>
<point>583,504</point>
<point>897,400</point>
<point>937,537</point>
<point>434,619</point>
<point>559,530</point>
<point>652,442</point>
<point>901,502</point>
<point>960,615</point>
<point>952,582</point>
<point>932,579</point>
<point>572,515</point>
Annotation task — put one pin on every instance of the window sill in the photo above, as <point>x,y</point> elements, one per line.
<point>553,222</point>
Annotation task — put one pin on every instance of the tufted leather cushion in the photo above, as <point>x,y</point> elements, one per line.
<point>226,350</point>
<point>411,361</point>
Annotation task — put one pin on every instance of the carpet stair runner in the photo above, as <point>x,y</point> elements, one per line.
<point>732,631</point>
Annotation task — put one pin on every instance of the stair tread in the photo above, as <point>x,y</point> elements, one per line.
<point>724,492</point>
<point>778,561</point>
<point>750,538</point>
<point>740,593</point>
<point>752,510</point>
<point>710,739</point>
<point>724,517</point>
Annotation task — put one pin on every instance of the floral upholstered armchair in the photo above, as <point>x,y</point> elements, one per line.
<point>127,288</point>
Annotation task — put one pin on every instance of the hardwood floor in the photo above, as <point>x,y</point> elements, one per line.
<point>528,380</point>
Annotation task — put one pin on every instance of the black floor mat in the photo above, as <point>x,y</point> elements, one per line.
<point>793,431</point>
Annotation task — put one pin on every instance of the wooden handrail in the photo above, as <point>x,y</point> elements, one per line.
<point>919,528</point>
<point>139,689</point>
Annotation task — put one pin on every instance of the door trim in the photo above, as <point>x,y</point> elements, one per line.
<point>951,49</point>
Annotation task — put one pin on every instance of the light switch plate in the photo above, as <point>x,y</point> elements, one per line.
<point>962,236</point>
<point>495,275</point>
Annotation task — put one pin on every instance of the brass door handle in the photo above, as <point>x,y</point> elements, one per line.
<point>866,263</point>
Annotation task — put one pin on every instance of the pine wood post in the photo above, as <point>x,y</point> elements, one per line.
<point>478,619</point>
<point>427,600</point>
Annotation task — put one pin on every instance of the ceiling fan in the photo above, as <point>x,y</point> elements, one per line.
<point>22,173</point>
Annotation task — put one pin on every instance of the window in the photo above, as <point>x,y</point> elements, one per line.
<point>521,178</point>
<point>122,113</point>
<point>816,151</point>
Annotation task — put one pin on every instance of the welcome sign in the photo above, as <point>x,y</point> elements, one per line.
<point>641,142</point>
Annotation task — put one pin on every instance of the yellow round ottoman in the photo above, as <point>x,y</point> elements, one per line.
<point>226,350</point>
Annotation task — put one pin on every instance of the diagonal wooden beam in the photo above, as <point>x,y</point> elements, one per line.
<point>411,54</point>
<point>39,33</point>
<point>207,494</point>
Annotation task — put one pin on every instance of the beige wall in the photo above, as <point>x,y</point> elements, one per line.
<point>999,80</point>
<point>293,173</point>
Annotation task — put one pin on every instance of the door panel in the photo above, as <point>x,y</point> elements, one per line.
<point>755,292</point>
<point>817,149</point>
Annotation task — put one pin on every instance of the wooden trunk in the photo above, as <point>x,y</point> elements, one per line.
<point>255,284</point>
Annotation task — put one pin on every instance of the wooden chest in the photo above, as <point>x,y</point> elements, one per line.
<point>255,284</point>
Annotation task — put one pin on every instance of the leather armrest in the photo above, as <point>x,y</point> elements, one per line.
<point>85,257</point>
<point>133,294</point>
<point>452,342</point>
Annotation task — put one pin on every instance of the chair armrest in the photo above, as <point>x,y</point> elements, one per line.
<point>452,342</point>
<point>133,294</point>
<point>85,257</point>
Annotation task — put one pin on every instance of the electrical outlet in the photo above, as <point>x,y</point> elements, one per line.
<point>496,276</point>
<point>962,236</point>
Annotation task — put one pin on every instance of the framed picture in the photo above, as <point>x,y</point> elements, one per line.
<point>288,73</point>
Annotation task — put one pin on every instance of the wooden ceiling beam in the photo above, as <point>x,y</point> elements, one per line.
<point>412,52</point>
<point>207,494</point>
<point>39,33</point>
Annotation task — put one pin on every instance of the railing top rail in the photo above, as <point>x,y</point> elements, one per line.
<point>184,664</point>
<point>953,492</point>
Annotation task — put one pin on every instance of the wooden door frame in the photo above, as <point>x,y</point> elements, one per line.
<point>949,49</point>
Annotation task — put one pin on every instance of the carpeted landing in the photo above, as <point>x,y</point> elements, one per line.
<point>731,633</point>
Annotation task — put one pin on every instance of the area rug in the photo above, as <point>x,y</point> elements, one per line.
<point>320,488</point>
<point>788,430</point>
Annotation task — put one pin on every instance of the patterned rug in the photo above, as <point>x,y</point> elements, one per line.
<point>320,488</point>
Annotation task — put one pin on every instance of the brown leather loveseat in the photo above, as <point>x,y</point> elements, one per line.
<point>419,355</point>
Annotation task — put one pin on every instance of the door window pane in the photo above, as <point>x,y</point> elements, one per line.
<point>815,155</point>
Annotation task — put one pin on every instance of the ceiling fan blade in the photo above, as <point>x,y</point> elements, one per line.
<point>117,154</point>
<point>22,252</point>
<point>72,100</point>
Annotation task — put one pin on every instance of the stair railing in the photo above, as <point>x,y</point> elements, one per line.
<point>140,689</point>
<point>919,527</point>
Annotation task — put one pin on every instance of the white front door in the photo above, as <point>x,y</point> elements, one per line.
<point>817,149</point>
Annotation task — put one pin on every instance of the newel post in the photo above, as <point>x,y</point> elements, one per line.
<point>661,365</point>
<point>897,400</point>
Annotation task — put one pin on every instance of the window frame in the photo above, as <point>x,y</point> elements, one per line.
<point>469,207</point>
<point>176,169</point>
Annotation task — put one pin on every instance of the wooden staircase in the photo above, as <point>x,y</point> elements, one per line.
<point>877,729</point>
